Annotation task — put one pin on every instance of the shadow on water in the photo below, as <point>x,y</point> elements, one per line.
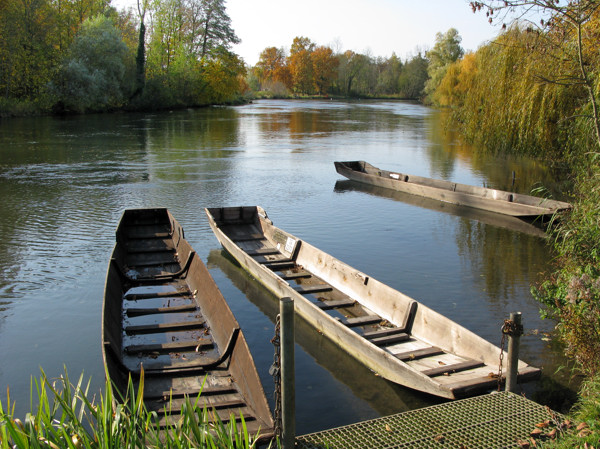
<point>491,218</point>
<point>384,396</point>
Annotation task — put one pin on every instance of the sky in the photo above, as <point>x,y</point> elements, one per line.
<point>374,27</point>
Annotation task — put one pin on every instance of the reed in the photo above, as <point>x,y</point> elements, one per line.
<point>64,415</point>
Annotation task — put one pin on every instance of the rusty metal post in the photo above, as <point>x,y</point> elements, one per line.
<point>513,352</point>
<point>288,387</point>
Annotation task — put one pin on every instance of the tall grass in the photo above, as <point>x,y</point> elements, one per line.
<point>63,415</point>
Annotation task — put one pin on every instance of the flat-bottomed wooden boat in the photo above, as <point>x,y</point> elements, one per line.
<point>499,201</point>
<point>391,333</point>
<point>164,314</point>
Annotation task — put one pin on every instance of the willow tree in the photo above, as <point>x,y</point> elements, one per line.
<point>567,32</point>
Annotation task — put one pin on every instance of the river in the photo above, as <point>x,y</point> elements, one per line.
<point>64,183</point>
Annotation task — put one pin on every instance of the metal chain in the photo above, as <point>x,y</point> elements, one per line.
<point>275,371</point>
<point>511,329</point>
<point>502,342</point>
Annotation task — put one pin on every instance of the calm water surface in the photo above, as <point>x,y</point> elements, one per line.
<point>64,183</point>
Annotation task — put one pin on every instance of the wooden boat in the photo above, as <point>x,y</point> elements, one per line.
<point>391,333</point>
<point>484,216</point>
<point>163,313</point>
<point>499,201</point>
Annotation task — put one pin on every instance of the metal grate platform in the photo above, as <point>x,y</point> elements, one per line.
<point>497,420</point>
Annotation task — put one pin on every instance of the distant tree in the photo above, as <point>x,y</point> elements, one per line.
<point>215,26</point>
<point>389,71</point>
<point>414,75</point>
<point>94,75</point>
<point>272,67</point>
<point>446,51</point>
<point>351,66</point>
<point>301,66</point>
<point>224,75</point>
<point>324,68</point>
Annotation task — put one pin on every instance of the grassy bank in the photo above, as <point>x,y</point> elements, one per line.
<point>66,415</point>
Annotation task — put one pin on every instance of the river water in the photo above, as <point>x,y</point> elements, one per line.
<point>64,183</point>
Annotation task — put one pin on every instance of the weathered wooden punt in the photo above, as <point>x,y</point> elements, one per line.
<point>394,335</point>
<point>163,313</point>
<point>499,201</point>
<point>495,219</point>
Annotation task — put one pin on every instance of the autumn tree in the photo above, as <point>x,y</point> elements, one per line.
<point>446,51</point>
<point>566,35</point>
<point>324,68</point>
<point>272,67</point>
<point>389,72</point>
<point>301,66</point>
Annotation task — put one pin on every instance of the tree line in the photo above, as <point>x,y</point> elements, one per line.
<point>84,55</point>
<point>311,69</point>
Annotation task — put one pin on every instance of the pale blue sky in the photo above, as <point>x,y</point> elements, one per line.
<point>379,27</point>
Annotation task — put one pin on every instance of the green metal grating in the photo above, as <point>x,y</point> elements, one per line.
<point>497,420</point>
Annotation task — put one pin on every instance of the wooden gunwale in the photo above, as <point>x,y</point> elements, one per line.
<point>187,340</point>
<point>498,201</point>
<point>371,331</point>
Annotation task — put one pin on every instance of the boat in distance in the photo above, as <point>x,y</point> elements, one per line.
<point>392,334</point>
<point>165,319</point>
<point>499,201</point>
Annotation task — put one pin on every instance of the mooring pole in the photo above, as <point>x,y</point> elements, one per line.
<point>513,351</point>
<point>288,387</point>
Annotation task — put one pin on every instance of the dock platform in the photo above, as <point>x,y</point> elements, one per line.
<point>496,420</point>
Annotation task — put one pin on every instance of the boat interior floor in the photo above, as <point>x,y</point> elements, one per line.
<point>165,333</point>
<point>455,371</point>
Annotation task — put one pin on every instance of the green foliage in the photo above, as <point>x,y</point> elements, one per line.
<point>97,73</point>
<point>446,51</point>
<point>65,417</point>
<point>412,80</point>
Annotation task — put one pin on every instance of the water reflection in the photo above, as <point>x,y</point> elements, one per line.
<point>384,396</point>
<point>64,183</point>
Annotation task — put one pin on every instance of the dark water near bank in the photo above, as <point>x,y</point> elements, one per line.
<point>65,182</point>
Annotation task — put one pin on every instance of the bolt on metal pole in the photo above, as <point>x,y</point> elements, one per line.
<point>288,388</point>
<point>513,353</point>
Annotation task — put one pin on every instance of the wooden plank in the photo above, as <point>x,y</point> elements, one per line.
<point>361,320</point>
<point>268,261</point>
<point>262,252</point>
<point>455,367</point>
<point>156,310</point>
<point>151,259</point>
<point>389,339</point>
<point>190,392</point>
<point>139,246</point>
<point>164,327</point>
<point>289,275</point>
<point>170,347</point>
<point>308,289</point>
<point>175,293</point>
<point>419,353</point>
<point>276,266</point>
<point>336,304</point>
<point>383,332</point>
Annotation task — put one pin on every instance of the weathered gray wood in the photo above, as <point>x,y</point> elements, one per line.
<point>493,200</point>
<point>386,311</point>
<point>462,366</point>
<point>312,288</point>
<point>138,311</point>
<point>336,304</point>
<point>419,353</point>
<point>361,320</point>
<point>168,347</point>
<point>390,339</point>
<point>164,327</point>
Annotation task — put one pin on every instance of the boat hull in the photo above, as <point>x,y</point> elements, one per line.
<point>498,201</point>
<point>166,322</point>
<point>399,332</point>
